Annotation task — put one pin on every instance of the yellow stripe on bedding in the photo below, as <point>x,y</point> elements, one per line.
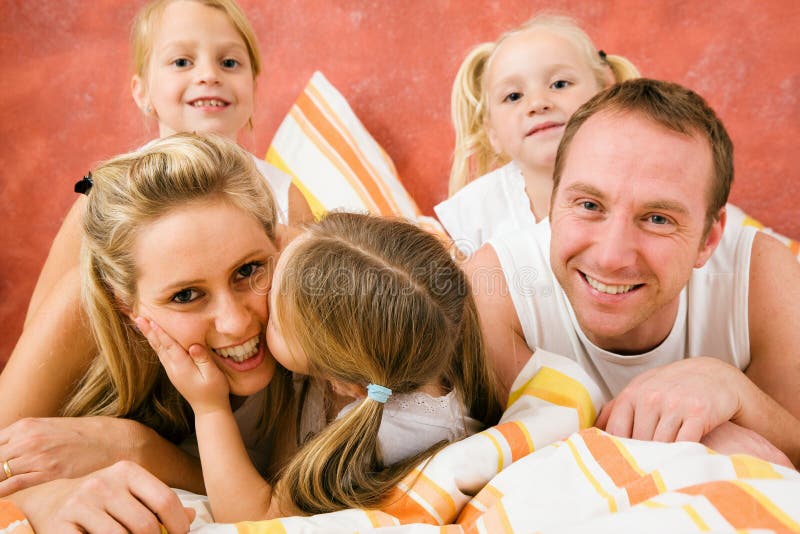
<point>261,527</point>
<point>769,506</point>
<point>275,159</point>
<point>750,467</point>
<point>695,517</point>
<point>560,389</point>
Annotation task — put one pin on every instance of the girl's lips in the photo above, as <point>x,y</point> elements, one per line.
<point>544,126</point>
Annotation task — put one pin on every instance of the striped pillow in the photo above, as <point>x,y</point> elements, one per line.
<point>334,160</point>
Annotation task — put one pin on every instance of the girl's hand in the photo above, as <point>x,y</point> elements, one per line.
<point>193,373</point>
<point>42,449</point>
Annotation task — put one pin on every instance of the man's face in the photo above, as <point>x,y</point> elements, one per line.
<point>627,227</point>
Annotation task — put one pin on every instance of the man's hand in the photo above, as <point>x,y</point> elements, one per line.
<point>682,401</point>
<point>730,438</point>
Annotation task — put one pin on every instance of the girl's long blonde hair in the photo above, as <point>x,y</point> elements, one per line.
<point>128,192</point>
<point>373,300</point>
<point>473,155</point>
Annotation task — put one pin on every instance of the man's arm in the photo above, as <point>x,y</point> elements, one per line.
<point>502,332</point>
<point>774,317</point>
<point>689,398</point>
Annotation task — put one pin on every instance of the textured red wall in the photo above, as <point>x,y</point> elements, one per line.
<point>66,103</point>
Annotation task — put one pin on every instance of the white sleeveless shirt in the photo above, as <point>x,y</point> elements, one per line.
<point>712,318</point>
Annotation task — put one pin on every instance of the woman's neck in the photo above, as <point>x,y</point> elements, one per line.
<point>539,188</point>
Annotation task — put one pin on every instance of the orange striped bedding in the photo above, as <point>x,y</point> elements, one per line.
<point>544,469</point>
<point>334,160</point>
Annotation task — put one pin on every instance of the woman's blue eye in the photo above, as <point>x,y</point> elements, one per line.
<point>249,269</point>
<point>184,296</point>
<point>181,62</point>
<point>230,63</point>
<point>512,97</point>
<point>560,84</point>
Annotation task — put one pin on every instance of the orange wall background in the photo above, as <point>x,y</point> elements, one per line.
<point>66,102</point>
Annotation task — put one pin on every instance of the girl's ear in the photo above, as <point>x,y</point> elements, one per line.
<point>139,92</point>
<point>347,389</point>
<point>493,140</point>
<point>609,78</point>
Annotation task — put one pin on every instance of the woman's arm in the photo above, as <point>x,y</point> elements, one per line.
<point>51,356</point>
<point>39,450</point>
<point>63,256</point>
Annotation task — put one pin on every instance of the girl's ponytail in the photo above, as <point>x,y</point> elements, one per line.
<point>473,154</point>
<point>622,68</point>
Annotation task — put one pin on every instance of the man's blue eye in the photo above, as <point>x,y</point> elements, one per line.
<point>589,205</point>
<point>658,219</point>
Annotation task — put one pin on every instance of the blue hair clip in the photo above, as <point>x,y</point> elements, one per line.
<point>83,185</point>
<point>378,393</point>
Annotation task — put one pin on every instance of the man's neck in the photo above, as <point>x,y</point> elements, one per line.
<point>643,338</point>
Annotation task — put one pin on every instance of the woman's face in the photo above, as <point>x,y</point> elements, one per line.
<point>204,273</point>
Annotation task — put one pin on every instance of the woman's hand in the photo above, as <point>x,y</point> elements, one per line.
<point>121,498</point>
<point>194,373</point>
<point>42,449</point>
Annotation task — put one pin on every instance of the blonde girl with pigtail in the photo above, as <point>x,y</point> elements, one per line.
<point>383,322</point>
<point>510,102</point>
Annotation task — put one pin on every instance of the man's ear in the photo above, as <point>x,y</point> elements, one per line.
<point>140,94</point>
<point>712,238</point>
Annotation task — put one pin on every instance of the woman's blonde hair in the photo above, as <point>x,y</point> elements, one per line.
<point>128,192</point>
<point>146,22</point>
<point>473,155</point>
<point>374,300</point>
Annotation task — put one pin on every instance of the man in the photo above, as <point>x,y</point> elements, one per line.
<point>637,279</point>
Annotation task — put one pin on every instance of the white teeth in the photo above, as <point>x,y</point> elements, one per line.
<point>208,103</point>
<point>241,352</point>
<point>611,290</point>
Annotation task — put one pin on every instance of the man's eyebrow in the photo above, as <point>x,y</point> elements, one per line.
<point>667,205</point>
<point>587,189</point>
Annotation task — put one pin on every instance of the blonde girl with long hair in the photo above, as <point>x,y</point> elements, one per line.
<point>195,67</point>
<point>381,318</point>
<point>510,102</point>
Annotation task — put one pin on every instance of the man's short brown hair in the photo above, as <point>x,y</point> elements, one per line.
<point>672,106</point>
